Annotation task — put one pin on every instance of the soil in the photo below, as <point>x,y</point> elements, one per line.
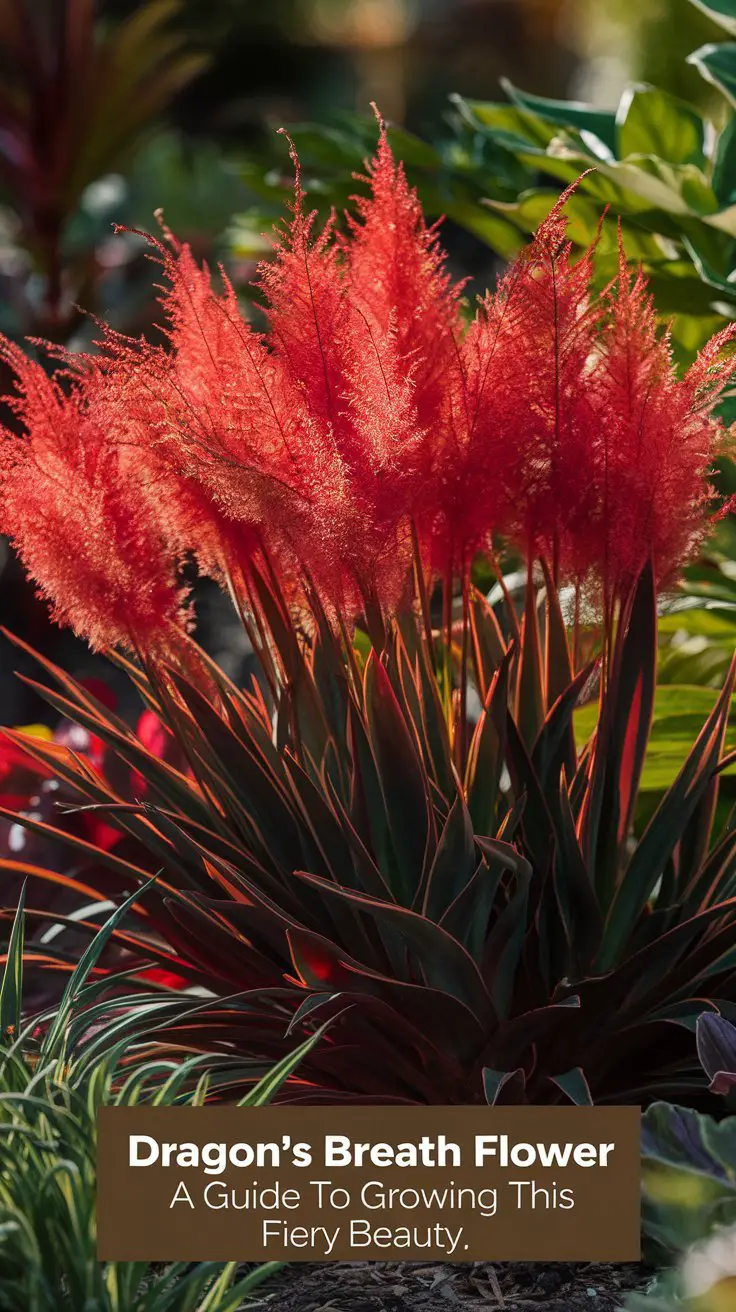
<point>506,1286</point>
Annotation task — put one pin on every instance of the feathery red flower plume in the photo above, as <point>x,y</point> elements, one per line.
<point>214,418</point>
<point>517,454</point>
<point>398,277</point>
<point>358,399</point>
<point>656,439</point>
<point>362,412</point>
<point>79,518</point>
<point>548,483</point>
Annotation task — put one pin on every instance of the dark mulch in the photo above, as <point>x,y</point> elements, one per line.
<point>502,1286</point>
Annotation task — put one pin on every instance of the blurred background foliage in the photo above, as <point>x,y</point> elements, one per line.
<point>112,111</point>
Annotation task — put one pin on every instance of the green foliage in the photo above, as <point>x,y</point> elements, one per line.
<point>50,1090</point>
<point>689,1188</point>
<point>661,166</point>
<point>689,1176</point>
<point>666,171</point>
<point>476,909</point>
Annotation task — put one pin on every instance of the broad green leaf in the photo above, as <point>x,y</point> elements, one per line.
<point>506,121</point>
<point>586,118</point>
<point>724,166</point>
<point>680,711</point>
<point>702,621</point>
<point>575,1087</point>
<point>489,227</point>
<point>722,12</point>
<point>532,208</point>
<point>717,64</point>
<point>652,122</point>
<point>688,1179</point>
<point>680,805</point>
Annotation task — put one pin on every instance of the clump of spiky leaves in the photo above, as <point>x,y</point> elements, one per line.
<point>472,907</point>
<point>50,1090</point>
<point>471,903</point>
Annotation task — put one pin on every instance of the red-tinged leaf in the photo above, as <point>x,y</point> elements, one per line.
<point>311,725</point>
<point>454,863</point>
<point>621,741</point>
<point>580,912</point>
<point>503,1088</point>
<point>705,966</point>
<point>504,945</point>
<point>536,822</point>
<point>384,1038</point>
<point>78,693</point>
<point>331,684</point>
<point>435,724</point>
<point>333,856</point>
<point>558,664</point>
<point>88,891</point>
<point>487,754</point>
<point>220,952</point>
<point>195,845</point>
<point>274,913</point>
<point>535,1037</point>
<point>530,688</point>
<point>692,849</point>
<point>132,874</point>
<point>367,809</point>
<point>661,834</point>
<point>442,1018</point>
<point>659,971</point>
<point>370,878</point>
<point>716,879</point>
<point>258,786</point>
<point>315,1002</point>
<point>410,693</point>
<point>145,948</point>
<point>167,782</point>
<point>322,825</point>
<point>402,780</point>
<point>468,917</point>
<point>499,852</point>
<point>443,962</point>
<point>489,647</point>
<point>555,749</point>
<point>574,1086</point>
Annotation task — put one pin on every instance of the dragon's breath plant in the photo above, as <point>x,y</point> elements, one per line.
<point>395,829</point>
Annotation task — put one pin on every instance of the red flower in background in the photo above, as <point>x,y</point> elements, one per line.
<point>30,788</point>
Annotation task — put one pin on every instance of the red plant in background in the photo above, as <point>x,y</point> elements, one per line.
<point>364,425</point>
<point>37,791</point>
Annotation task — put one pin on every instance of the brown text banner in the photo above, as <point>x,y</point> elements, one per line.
<point>290,1184</point>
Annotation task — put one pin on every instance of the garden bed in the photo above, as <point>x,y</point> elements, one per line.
<point>401,1287</point>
